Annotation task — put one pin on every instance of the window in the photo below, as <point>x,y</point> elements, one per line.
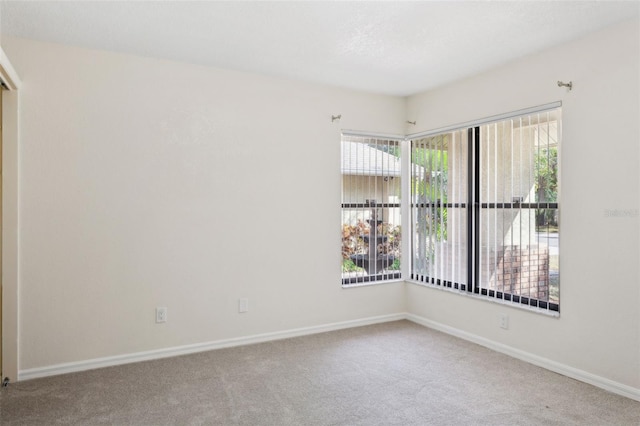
<point>371,233</point>
<point>439,209</point>
<point>484,209</point>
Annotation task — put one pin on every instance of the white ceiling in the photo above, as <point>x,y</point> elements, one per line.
<point>397,48</point>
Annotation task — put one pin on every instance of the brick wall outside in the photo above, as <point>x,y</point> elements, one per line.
<point>518,270</point>
<point>521,270</point>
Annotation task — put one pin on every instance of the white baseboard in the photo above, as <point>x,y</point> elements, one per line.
<point>565,370</point>
<point>72,367</point>
<point>601,382</point>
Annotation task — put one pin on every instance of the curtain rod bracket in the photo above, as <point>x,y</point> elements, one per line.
<point>563,84</point>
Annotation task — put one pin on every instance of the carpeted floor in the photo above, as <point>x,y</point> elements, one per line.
<point>395,373</point>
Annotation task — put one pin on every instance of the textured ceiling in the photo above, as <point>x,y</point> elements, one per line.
<point>397,48</point>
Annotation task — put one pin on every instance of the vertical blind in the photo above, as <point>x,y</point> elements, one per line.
<point>439,209</point>
<point>371,233</point>
<point>484,209</point>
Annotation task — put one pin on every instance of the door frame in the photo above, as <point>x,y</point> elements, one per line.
<point>10,274</point>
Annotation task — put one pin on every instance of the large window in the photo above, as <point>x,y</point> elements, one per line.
<point>371,234</point>
<point>484,209</point>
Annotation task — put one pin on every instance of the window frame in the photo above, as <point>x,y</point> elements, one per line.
<point>384,275</point>
<point>475,206</point>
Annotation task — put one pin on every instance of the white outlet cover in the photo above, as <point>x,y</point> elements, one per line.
<point>504,321</point>
<point>243,305</point>
<point>161,314</point>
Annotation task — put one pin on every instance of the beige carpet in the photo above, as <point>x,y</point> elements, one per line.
<point>388,374</point>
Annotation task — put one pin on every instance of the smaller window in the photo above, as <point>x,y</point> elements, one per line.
<point>371,233</point>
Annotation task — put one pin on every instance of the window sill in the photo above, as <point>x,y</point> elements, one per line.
<point>547,312</point>
<point>370,283</point>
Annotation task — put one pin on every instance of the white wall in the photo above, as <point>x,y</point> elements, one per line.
<point>149,183</point>
<point>599,326</point>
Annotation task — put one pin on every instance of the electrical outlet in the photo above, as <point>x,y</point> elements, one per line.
<point>161,314</point>
<point>504,321</point>
<point>243,305</point>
